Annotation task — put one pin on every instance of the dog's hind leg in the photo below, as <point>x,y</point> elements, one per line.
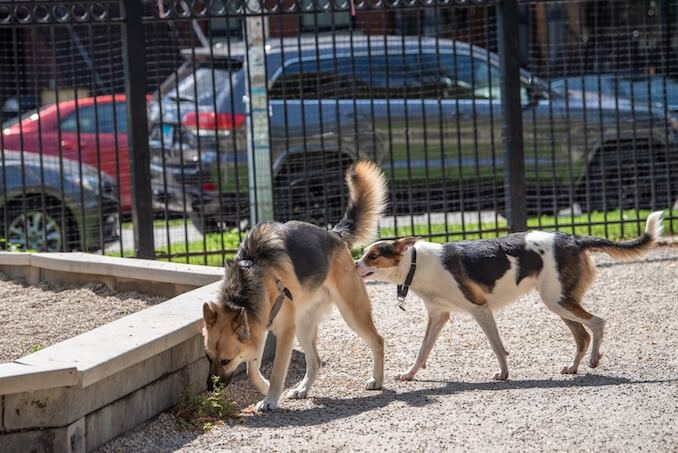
<point>582,338</point>
<point>569,308</point>
<point>483,316</point>
<point>348,292</point>
<point>307,332</point>
<point>436,321</point>
<point>565,300</point>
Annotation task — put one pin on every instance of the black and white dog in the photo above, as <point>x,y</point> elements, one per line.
<point>478,277</point>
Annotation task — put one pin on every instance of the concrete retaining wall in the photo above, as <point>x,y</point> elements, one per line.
<point>80,393</point>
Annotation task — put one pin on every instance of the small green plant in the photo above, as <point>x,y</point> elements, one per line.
<point>203,411</point>
<point>35,348</point>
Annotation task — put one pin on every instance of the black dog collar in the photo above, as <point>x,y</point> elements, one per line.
<point>284,292</point>
<point>405,287</point>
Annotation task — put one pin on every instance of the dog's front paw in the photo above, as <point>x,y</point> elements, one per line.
<point>296,393</point>
<point>501,376</point>
<point>405,376</point>
<point>266,405</point>
<point>372,384</point>
<point>569,370</point>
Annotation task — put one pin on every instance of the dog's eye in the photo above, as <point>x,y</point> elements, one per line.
<point>225,362</point>
<point>372,256</point>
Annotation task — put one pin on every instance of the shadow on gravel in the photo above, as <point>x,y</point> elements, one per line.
<point>330,409</point>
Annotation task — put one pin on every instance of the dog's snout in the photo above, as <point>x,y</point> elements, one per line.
<point>210,382</point>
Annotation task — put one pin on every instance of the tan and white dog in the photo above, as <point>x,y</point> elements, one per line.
<point>481,276</point>
<point>284,279</point>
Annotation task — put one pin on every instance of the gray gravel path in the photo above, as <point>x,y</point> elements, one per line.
<point>629,403</point>
<point>33,317</point>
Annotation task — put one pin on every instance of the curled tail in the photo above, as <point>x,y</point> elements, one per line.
<point>366,204</point>
<point>629,249</point>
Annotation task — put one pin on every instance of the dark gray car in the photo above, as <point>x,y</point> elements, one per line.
<point>50,204</point>
<point>427,110</point>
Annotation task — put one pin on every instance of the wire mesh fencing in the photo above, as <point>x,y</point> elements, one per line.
<point>254,110</point>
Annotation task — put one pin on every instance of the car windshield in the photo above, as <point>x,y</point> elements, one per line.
<point>200,86</point>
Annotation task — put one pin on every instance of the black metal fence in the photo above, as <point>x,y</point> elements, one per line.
<point>165,128</point>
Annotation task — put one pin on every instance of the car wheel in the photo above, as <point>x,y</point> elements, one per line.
<point>617,178</point>
<point>33,228</point>
<point>311,188</point>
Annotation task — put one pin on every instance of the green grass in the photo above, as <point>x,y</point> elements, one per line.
<point>160,223</point>
<point>586,224</point>
<point>204,410</point>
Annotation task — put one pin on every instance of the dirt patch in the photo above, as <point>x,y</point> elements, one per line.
<point>34,317</point>
<point>628,403</point>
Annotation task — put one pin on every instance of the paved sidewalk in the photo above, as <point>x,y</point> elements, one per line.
<point>630,402</point>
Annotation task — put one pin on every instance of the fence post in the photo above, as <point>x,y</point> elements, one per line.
<point>509,56</point>
<point>258,145</point>
<point>137,138</point>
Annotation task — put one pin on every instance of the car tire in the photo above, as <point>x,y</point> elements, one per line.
<point>311,187</point>
<point>618,178</point>
<point>30,227</point>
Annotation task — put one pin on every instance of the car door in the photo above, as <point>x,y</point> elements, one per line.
<point>96,134</point>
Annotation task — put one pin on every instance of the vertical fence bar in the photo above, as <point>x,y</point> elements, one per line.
<point>139,154</point>
<point>509,55</point>
<point>258,145</point>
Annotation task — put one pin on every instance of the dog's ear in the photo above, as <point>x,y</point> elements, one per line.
<point>400,246</point>
<point>241,326</point>
<point>209,314</point>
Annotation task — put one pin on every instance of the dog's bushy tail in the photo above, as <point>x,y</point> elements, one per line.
<point>366,204</point>
<point>629,249</point>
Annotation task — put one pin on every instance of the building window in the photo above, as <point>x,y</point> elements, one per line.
<point>324,20</point>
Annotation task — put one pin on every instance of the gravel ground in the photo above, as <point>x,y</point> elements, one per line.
<point>630,402</point>
<point>33,317</point>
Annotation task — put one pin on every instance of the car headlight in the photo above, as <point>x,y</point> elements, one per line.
<point>90,182</point>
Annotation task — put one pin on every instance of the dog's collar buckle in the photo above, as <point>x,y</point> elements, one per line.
<point>403,289</point>
<point>277,305</point>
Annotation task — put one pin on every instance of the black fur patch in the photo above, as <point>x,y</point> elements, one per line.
<point>310,248</point>
<point>348,225</point>
<point>386,250</point>
<point>263,245</point>
<point>486,261</point>
<point>243,278</point>
<point>242,287</point>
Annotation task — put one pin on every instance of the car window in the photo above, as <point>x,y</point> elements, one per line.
<point>416,76</point>
<point>365,77</point>
<point>482,80</point>
<point>200,86</point>
<point>111,117</point>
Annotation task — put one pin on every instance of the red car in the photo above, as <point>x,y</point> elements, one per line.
<point>70,129</point>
